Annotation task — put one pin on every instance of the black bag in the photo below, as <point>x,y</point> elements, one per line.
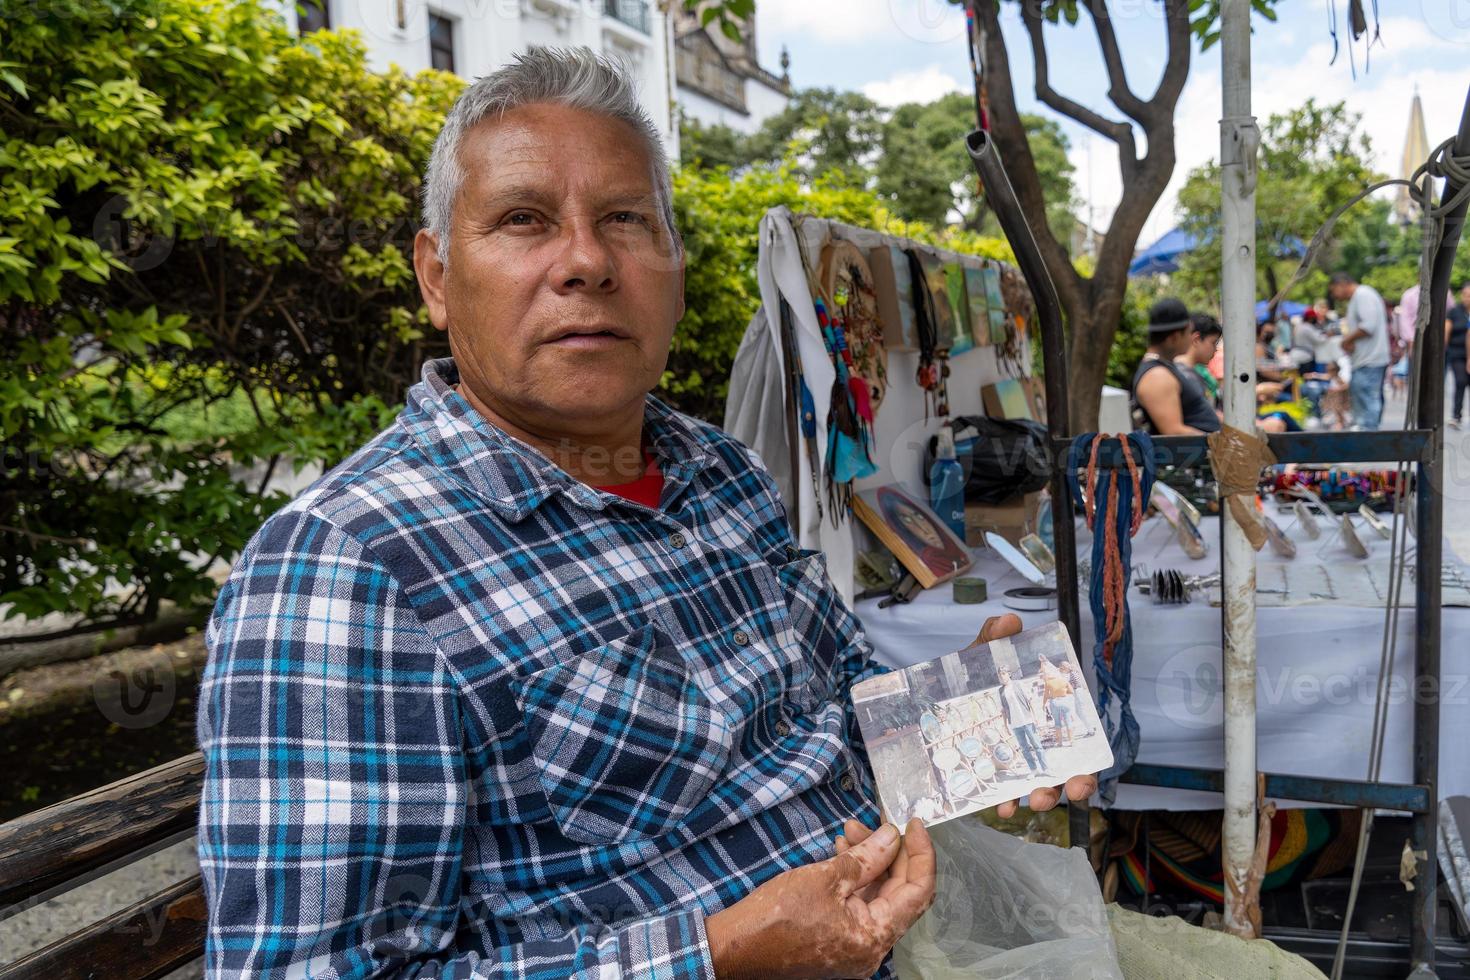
<point>1001,458</point>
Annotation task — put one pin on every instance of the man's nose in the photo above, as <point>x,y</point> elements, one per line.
<point>584,261</point>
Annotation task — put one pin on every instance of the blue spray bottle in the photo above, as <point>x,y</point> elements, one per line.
<point>947,484</point>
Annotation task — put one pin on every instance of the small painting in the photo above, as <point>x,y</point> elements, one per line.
<point>1006,399</point>
<point>917,537</point>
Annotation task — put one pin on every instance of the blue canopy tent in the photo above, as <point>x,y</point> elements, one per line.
<point>1287,308</point>
<point>1163,255</point>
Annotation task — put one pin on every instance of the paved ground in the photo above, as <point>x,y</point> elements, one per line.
<point>48,922</point>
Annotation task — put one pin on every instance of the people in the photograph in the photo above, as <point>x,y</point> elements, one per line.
<point>1061,701</point>
<point>1015,705</point>
<point>1078,684</point>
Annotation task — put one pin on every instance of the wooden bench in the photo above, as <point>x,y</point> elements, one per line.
<point>54,850</point>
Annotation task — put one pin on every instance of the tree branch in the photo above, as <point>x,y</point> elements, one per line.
<point>1119,132</point>
<point>1015,149</point>
<point>1119,92</point>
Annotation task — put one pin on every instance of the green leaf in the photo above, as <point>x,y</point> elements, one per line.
<point>14,81</point>
<point>731,30</point>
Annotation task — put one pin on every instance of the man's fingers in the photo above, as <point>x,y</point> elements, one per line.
<point>1044,798</point>
<point>996,627</point>
<point>855,831</point>
<point>1007,809</point>
<point>861,864</point>
<point>900,904</point>
<point>1081,787</point>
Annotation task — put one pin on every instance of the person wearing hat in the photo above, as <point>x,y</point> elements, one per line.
<point>1168,400</point>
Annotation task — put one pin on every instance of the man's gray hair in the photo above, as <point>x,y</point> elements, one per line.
<point>574,77</point>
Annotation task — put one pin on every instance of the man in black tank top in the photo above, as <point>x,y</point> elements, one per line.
<point>1168,400</point>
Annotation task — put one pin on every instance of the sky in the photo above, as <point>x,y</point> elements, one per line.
<point>899,51</point>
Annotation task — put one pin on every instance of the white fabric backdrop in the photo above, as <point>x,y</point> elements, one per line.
<point>1318,665</point>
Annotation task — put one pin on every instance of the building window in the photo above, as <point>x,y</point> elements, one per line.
<point>634,13</point>
<point>441,42</point>
<point>311,15</point>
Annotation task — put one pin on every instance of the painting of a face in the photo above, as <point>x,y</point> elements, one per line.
<point>918,525</point>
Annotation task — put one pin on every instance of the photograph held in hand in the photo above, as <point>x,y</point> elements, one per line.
<point>980,726</point>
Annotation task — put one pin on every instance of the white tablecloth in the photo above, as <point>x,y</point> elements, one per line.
<point>1316,678</point>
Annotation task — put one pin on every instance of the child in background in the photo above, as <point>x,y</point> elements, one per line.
<point>1335,404</point>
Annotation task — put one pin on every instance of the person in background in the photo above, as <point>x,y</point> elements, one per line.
<point>1365,341</point>
<point>1457,352</point>
<point>1015,704</point>
<point>1204,341</point>
<point>1060,699</point>
<point>1167,400</point>
<point>1307,341</point>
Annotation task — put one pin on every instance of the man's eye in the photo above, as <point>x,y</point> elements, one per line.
<point>521,218</point>
<point>627,217</point>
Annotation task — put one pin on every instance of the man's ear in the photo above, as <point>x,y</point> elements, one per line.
<point>430,272</point>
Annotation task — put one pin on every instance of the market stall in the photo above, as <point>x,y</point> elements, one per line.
<point>1316,674</point>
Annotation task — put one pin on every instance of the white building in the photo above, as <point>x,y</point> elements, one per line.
<point>474,37</point>
<point>719,81</point>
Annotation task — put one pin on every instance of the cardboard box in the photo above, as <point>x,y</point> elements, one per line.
<point>1012,520</point>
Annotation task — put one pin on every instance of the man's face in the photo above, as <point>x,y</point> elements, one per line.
<point>1340,291</point>
<point>562,287</point>
<point>1202,349</point>
<point>1177,343</point>
<point>1465,296</point>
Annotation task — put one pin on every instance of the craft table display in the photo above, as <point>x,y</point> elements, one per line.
<point>1315,688</point>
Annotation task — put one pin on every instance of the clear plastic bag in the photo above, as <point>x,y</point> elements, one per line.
<point>1005,908</point>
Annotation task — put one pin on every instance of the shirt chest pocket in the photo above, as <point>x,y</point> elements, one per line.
<point>626,744</point>
<point>810,602</point>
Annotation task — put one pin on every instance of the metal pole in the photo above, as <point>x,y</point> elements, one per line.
<point>1238,141</point>
<point>1427,599</point>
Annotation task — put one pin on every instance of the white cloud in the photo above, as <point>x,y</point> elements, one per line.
<point>924,85</point>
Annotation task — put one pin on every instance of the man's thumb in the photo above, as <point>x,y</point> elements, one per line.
<point>861,864</point>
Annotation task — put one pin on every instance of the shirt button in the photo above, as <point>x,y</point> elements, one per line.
<point>848,783</point>
<point>676,540</point>
<point>783,729</point>
<point>741,638</point>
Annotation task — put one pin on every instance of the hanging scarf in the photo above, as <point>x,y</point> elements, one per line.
<point>1114,502</point>
<point>849,436</point>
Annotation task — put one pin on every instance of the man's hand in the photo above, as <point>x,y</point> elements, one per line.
<point>833,919</point>
<point>1076,788</point>
<point>1349,342</point>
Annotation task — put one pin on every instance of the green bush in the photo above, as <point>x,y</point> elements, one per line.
<point>204,273</point>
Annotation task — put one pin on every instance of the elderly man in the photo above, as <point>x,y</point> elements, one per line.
<point>536,683</point>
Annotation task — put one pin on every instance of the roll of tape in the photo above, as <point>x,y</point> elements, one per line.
<point>968,591</point>
<point>1030,598</point>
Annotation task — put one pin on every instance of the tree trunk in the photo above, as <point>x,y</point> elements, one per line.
<point>1092,326</point>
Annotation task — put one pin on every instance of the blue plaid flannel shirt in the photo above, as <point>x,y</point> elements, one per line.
<point>464,716</point>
